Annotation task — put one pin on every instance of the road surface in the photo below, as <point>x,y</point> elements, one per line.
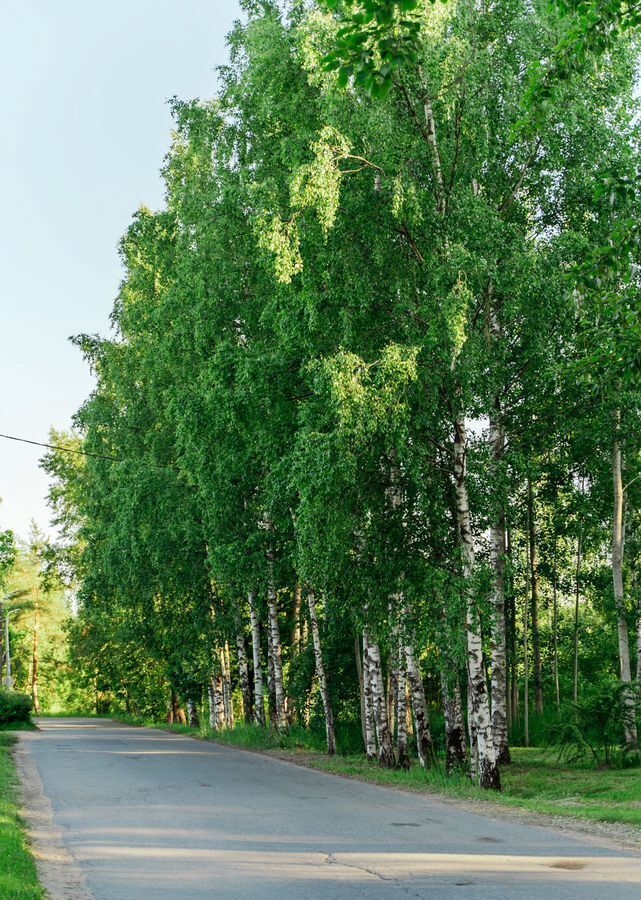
<point>146,814</point>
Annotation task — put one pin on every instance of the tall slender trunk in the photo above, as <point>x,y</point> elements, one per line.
<point>379,707</point>
<point>618,542</point>
<point>499,648</point>
<point>577,597</point>
<point>555,618</point>
<point>488,770</point>
<point>277,656</point>
<point>361,685</point>
<point>259,702</point>
<point>226,676</point>
<point>424,742</point>
<point>370,732</point>
<point>456,749</point>
<point>526,649</point>
<point>34,665</point>
<point>322,677</point>
<point>213,711</point>
<point>271,686</point>
<point>192,714</point>
<point>534,585</point>
<point>216,699</point>
<point>514,696</point>
<point>499,693</point>
<point>639,647</point>
<point>403,759</point>
<point>243,674</point>
<point>296,633</point>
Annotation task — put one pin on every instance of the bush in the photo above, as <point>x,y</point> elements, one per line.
<point>593,728</point>
<point>14,708</point>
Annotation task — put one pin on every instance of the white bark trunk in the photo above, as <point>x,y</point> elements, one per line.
<point>243,673</point>
<point>424,742</point>
<point>322,678</point>
<point>488,770</point>
<point>499,649</point>
<point>259,702</point>
<point>403,759</point>
<point>630,726</point>
<point>456,748</point>
<point>192,713</point>
<point>370,734</point>
<point>379,708</point>
<point>277,659</point>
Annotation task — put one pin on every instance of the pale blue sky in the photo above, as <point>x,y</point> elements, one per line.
<point>86,126</point>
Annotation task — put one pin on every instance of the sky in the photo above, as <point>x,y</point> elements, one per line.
<point>86,127</point>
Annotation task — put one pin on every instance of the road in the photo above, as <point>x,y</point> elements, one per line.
<point>146,814</point>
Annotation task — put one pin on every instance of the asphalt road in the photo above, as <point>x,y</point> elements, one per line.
<point>145,814</point>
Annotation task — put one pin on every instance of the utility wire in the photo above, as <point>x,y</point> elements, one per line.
<point>11,437</point>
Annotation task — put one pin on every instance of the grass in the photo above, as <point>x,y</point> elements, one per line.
<point>537,780</point>
<point>18,878</point>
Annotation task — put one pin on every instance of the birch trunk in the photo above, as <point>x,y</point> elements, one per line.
<point>488,770</point>
<point>471,729</point>
<point>534,585</point>
<point>577,596</point>
<point>361,685</point>
<point>555,618</point>
<point>322,678</point>
<point>277,657</point>
<point>497,560</point>
<point>379,707</point>
<point>456,749</point>
<point>35,660</point>
<point>226,679</point>
<point>424,742</point>
<point>618,538</point>
<point>403,759</point>
<point>498,642</point>
<point>259,702</point>
<point>243,673</point>
<point>370,733</point>
<point>213,711</point>
<point>192,714</point>
<point>639,647</point>
<point>271,690</point>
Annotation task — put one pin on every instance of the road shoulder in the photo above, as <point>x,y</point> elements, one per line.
<point>58,871</point>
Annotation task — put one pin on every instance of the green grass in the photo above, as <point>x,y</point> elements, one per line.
<point>537,780</point>
<point>18,878</point>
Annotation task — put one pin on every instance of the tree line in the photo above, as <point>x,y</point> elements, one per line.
<point>364,444</point>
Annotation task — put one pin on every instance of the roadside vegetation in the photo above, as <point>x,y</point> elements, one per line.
<point>18,877</point>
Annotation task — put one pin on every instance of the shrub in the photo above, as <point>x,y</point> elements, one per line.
<point>14,708</point>
<point>593,727</point>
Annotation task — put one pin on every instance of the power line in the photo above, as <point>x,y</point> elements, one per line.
<point>11,437</point>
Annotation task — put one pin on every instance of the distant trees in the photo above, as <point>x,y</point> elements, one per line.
<point>362,412</point>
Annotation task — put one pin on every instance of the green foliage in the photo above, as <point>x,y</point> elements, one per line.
<point>14,708</point>
<point>376,38</point>
<point>592,728</point>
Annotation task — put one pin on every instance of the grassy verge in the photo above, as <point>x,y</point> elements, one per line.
<point>18,878</point>
<point>537,780</point>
